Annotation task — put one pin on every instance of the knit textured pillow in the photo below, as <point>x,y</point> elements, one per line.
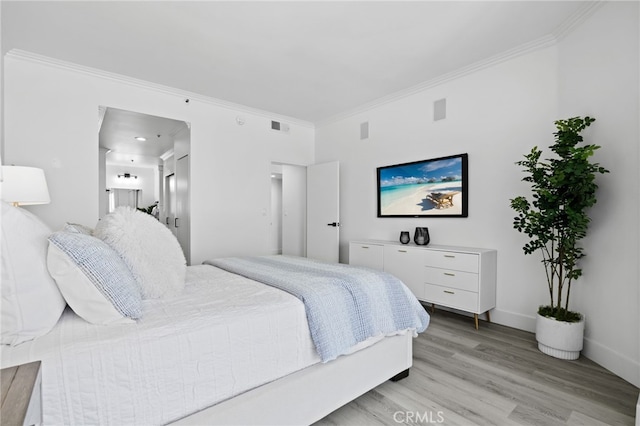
<point>148,247</point>
<point>93,279</point>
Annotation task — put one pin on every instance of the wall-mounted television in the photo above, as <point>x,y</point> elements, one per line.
<point>436,187</point>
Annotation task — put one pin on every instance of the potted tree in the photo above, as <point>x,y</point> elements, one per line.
<point>563,189</point>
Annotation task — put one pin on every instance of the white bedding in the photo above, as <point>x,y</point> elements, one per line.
<point>223,335</point>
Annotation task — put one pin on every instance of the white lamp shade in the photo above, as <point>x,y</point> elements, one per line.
<point>24,186</point>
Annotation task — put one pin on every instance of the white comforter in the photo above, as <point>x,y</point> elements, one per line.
<point>223,335</point>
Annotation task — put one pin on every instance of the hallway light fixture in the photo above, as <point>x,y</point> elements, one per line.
<point>127,176</point>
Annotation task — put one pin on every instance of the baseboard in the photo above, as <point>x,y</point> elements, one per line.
<point>514,320</point>
<point>617,363</point>
<point>509,319</point>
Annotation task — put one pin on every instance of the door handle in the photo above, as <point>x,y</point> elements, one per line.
<point>175,222</point>
<point>166,220</point>
<point>334,224</point>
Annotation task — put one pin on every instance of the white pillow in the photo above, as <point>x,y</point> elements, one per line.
<point>93,279</point>
<point>150,250</point>
<point>31,301</point>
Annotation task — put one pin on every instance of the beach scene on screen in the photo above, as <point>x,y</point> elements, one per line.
<point>422,188</point>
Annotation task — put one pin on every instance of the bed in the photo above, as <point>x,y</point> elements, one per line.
<point>224,349</point>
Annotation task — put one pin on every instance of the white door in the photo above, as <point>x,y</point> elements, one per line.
<point>323,211</point>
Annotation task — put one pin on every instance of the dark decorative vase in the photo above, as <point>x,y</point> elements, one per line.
<point>405,237</point>
<point>421,237</point>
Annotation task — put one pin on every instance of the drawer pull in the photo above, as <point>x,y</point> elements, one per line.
<point>449,274</point>
<point>449,292</point>
<point>365,247</point>
<point>402,251</point>
<point>449,255</point>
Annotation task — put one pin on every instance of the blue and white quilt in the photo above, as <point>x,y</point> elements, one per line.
<point>345,304</point>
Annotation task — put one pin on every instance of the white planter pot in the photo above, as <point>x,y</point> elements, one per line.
<point>559,339</point>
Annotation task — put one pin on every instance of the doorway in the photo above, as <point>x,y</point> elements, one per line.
<point>288,209</point>
<point>305,210</point>
<point>137,153</point>
<point>124,197</point>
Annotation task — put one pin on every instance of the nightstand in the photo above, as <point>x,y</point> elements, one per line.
<point>21,394</point>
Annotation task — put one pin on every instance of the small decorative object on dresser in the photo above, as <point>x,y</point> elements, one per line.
<point>462,278</point>
<point>404,237</point>
<point>421,236</point>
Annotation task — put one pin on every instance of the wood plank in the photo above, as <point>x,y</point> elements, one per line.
<point>495,375</point>
<point>18,395</point>
<point>6,378</point>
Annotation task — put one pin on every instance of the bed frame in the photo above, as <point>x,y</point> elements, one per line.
<point>310,394</point>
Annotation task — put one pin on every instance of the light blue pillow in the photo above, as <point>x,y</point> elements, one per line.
<point>77,228</point>
<point>93,278</point>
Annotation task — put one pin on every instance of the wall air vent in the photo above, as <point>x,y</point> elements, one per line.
<point>364,130</point>
<point>440,109</point>
<point>279,127</point>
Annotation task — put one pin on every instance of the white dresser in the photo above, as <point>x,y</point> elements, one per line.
<point>462,278</point>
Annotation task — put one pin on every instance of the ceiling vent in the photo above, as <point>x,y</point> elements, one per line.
<point>279,127</point>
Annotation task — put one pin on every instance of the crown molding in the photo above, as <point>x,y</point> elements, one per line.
<point>123,79</point>
<point>575,20</point>
<point>167,154</point>
<point>525,48</point>
<point>571,23</point>
<point>568,26</point>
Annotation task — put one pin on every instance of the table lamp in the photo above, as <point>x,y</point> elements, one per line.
<point>22,186</point>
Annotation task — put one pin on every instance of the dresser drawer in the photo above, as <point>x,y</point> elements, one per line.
<point>406,263</point>
<point>368,255</point>
<point>451,278</point>
<point>451,297</point>
<point>452,260</point>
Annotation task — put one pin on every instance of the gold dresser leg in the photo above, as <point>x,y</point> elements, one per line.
<point>488,316</point>
<point>475,318</point>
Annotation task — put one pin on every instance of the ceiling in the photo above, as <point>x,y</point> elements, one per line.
<point>119,130</point>
<point>306,60</point>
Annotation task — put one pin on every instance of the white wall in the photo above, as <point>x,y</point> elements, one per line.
<point>51,122</point>
<point>497,114</point>
<point>599,75</point>
<point>494,115</point>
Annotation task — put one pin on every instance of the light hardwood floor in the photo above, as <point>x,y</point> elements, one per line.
<point>492,376</point>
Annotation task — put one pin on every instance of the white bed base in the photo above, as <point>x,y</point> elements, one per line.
<point>308,395</point>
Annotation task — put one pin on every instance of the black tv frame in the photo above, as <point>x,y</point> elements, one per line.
<point>428,178</point>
